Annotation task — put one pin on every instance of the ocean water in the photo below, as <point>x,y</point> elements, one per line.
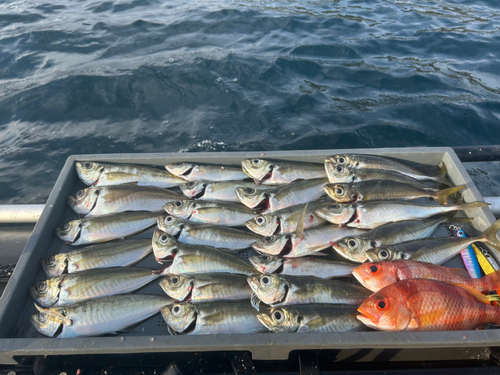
<point>196,75</point>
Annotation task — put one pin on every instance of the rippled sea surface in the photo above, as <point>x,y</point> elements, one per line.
<point>174,76</point>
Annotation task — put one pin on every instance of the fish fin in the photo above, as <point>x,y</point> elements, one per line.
<point>441,196</point>
<point>483,326</point>
<point>486,299</point>
<point>255,301</point>
<point>492,280</point>
<point>413,325</point>
<point>460,272</point>
<point>299,233</point>
<point>318,254</point>
<point>490,235</point>
<point>440,175</point>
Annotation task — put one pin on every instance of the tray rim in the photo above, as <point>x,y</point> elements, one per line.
<point>258,344</point>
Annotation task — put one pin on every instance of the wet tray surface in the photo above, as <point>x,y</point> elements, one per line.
<point>18,337</point>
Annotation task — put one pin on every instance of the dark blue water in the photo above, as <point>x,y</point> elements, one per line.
<point>174,76</point>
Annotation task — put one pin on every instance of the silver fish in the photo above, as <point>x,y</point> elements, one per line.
<point>278,290</point>
<point>285,221</point>
<point>281,172</point>
<point>105,228</point>
<point>85,285</point>
<point>215,213</point>
<point>355,248</point>
<point>311,318</point>
<point>434,250</point>
<point>99,201</point>
<point>341,174</point>
<point>206,172</point>
<point>206,287</point>
<point>267,201</point>
<point>308,266</point>
<point>100,174</point>
<point>114,254</point>
<point>212,318</point>
<point>370,215</point>
<point>358,161</point>
<point>313,241</point>
<point>378,190</point>
<point>98,316</point>
<point>216,191</point>
<point>210,235</point>
<point>195,259</point>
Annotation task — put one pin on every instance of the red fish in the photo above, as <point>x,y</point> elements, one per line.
<point>427,305</point>
<point>375,276</point>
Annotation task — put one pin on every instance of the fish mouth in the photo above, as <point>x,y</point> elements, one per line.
<point>265,320</point>
<point>365,317</point>
<point>168,258</point>
<point>264,204</point>
<point>358,277</point>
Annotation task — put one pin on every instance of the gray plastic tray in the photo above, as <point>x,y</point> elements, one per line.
<point>19,338</point>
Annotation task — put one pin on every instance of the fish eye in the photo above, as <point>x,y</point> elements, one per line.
<point>335,206</point>
<point>373,269</point>
<point>260,220</point>
<point>175,280</point>
<point>339,191</point>
<point>339,169</point>
<point>80,194</point>
<point>178,204</point>
<point>191,184</point>
<point>51,260</point>
<point>169,219</point>
<point>163,238</point>
<point>177,164</point>
<point>341,160</point>
<point>177,310</point>
<point>41,286</point>
<point>266,281</point>
<point>256,161</point>
<point>87,165</point>
<point>66,226</point>
<point>268,238</point>
<point>249,190</point>
<point>381,305</point>
<point>384,254</point>
<point>278,316</point>
<point>353,244</point>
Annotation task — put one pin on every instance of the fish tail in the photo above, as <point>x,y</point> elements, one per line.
<point>472,205</point>
<point>487,283</point>
<point>440,175</point>
<point>162,272</point>
<point>489,236</point>
<point>441,196</point>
